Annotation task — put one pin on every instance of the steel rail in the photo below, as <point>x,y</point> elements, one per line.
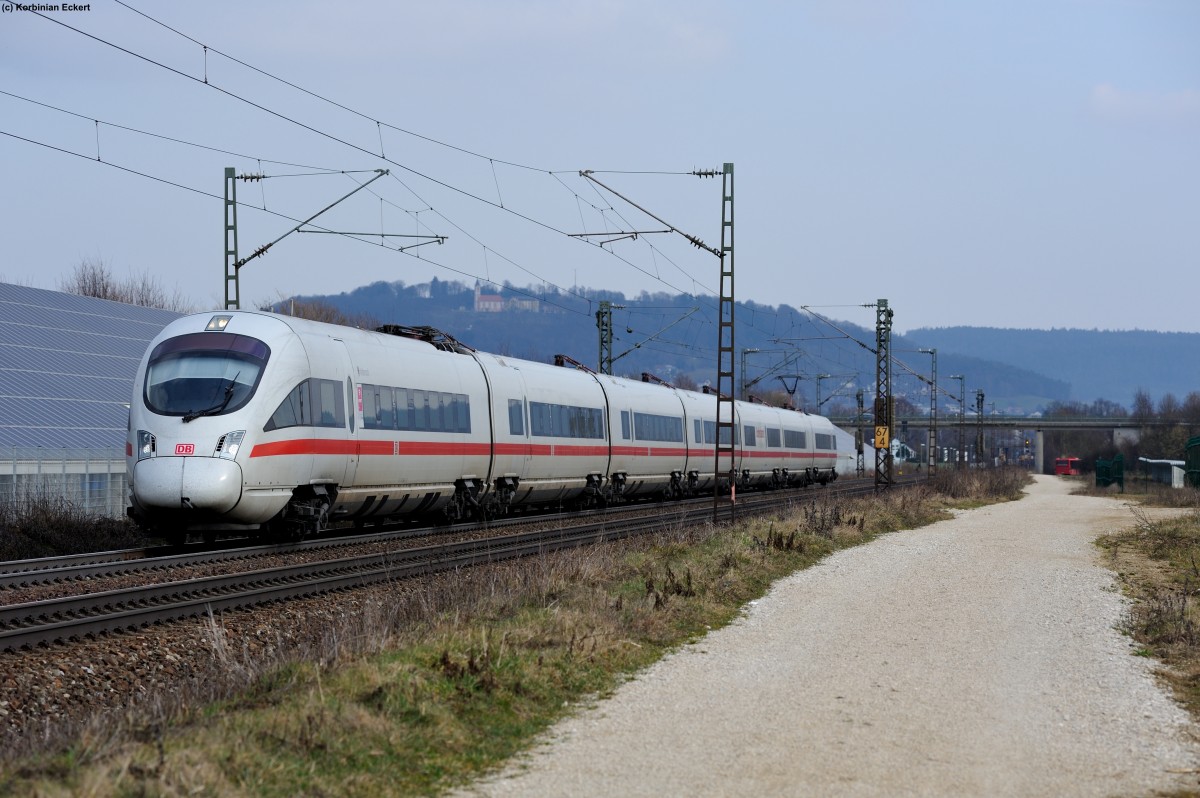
<point>39,623</point>
<point>78,567</point>
<point>77,617</point>
<point>10,568</point>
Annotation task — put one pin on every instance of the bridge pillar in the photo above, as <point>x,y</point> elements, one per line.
<point>1039,453</point>
<point>1123,436</point>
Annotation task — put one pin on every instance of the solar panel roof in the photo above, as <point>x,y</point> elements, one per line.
<point>66,367</point>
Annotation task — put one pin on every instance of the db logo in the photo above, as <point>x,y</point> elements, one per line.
<point>185,448</point>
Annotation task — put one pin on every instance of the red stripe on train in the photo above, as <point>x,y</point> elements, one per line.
<point>322,446</point>
<point>319,446</point>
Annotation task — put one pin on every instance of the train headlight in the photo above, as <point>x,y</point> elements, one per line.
<point>146,444</point>
<point>228,445</point>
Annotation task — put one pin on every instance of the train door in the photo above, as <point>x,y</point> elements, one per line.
<point>511,445</point>
<point>335,415</point>
<point>354,409</point>
<point>525,460</point>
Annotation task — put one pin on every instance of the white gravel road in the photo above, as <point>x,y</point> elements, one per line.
<point>977,656</point>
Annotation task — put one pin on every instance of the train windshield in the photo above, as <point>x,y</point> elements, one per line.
<point>204,374</point>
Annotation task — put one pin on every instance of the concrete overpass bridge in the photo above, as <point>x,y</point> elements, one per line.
<point>962,427</point>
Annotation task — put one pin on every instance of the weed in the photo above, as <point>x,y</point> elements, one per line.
<point>39,524</point>
<point>1156,559</point>
<point>1165,617</point>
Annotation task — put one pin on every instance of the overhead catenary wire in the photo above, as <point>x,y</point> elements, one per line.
<point>330,136</point>
<point>361,149</point>
<point>310,93</point>
<point>258,177</point>
<point>320,169</point>
<point>654,252</point>
<point>688,349</point>
<point>305,126</point>
<point>317,171</point>
<point>210,195</point>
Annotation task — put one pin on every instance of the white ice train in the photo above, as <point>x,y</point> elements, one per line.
<point>245,420</point>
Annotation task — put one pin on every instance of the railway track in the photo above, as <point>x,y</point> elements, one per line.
<point>71,568</point>
<point>83,616</point>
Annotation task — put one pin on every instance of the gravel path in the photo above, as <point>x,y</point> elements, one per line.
<point>976,656</point>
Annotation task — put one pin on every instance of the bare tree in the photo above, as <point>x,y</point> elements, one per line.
<point>1143,405</point>
<point>320,310</point>
<point>92,277</point>
<point>1191,409</point>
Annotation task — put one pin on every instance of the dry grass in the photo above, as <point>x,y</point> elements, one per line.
<point>1158,562</point>
<point>38,524</point>
<point>434,682</point>
<point>1151,494</point>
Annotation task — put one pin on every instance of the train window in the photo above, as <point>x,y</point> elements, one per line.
<point>462,412</point>
<point>408,409</point>
<point>516,417</point>
<point>824,441</point>
<point>420,406</point>
<point>794,439</point>
<point>565,421</point>
<point>293,411</point>
<point>395,408</point>
<point>540,422</point>
<point>699,431</point>
<point>328,405</point>
<point>773,440</point>
<point>405,412</point>
<point>203,374</point>
<point>372,417</point>
<point>649,427</point>
<point>749,435</point>
<point>312,403</point>
<point>440,414</point>
<point>457,413</point>
<point>710,433</point>
<point>386,413</point>
<point>625,425</point>
<point>588,422</point>
<point>379,411</point>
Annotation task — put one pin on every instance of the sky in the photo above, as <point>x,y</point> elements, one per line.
<point>1028,164</point>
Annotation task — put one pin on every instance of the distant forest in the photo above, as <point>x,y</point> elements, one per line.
<point>785,350</point>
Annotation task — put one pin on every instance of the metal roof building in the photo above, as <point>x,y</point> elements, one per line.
<point>67,364</point>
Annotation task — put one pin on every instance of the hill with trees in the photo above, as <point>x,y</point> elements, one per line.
<point>1110,364</point>
<point>673,336</point>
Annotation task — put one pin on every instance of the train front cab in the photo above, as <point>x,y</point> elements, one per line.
<point>196,408</point>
